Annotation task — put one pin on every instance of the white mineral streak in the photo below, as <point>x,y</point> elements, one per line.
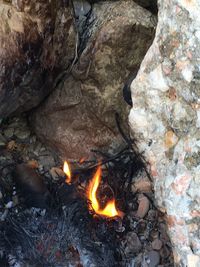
<point>166,119</point>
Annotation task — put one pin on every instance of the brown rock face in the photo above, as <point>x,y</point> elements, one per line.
<point>79,115</point>
<point>32,54</point>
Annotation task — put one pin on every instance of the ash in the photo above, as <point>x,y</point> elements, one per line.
<point>67,233</point>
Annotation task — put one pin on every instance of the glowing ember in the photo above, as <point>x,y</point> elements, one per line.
<point>110,208</point>
<point>67,171</point>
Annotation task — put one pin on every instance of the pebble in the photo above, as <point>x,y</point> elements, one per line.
<point>22,134</point>
<point>164,252</point>
<point>143,207</point>
<point>157,244</point>
<point>9,132</point>
<point>46,161</point>
<point>153,258</point>
<point>152,215</point>
<point>9,205</point>
<point>133,244</point>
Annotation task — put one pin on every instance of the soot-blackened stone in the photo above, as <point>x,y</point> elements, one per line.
<point>31,186</point>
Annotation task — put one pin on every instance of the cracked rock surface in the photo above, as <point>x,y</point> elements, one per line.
<point>80,114</point>
<point>165,117</point>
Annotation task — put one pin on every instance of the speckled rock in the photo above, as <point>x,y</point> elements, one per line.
<point>80,114</point>
<point>32,53</point>
<point>166,119</point>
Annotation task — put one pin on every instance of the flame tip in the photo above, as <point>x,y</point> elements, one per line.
<point>110,209</point>
<point>67,171</point>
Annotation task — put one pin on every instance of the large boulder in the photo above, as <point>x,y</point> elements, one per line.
<point>32,53</point>
<point>148,4</point>
<point>80,114</point>
<point>166,119</point>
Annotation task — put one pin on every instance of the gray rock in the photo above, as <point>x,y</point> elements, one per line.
<point>157,244</point>
<point>143,206</point>
<point>22,133</point>
<point>153,258</point>
<point>9,132</point>
<point>165,119</point>
<point>47,162</point>
<point>133,244</point>
<point>80,115</point>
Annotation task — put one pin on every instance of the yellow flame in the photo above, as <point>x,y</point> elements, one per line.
<point>110,208</point>
<point>67,171</point>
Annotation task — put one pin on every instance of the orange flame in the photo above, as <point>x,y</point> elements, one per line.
<point>110,208</point>
<point>67,171</point>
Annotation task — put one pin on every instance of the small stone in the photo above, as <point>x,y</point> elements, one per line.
<point>143,206</point>
<point>152,215</point>
<point>157,244</point>
<point>56,173</point>
<point>8,133</point>
<point>142,185</point>
<point>133,244</point>
<point>22,133</point>
<point>164,252</point>
<point>46,161</point>
<point>154,258</point>
<point>9,205</point>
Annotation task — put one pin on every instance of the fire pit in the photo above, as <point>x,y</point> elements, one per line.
<point>84,213</point>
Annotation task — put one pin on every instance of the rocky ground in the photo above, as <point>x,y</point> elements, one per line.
<point>144,240</point>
